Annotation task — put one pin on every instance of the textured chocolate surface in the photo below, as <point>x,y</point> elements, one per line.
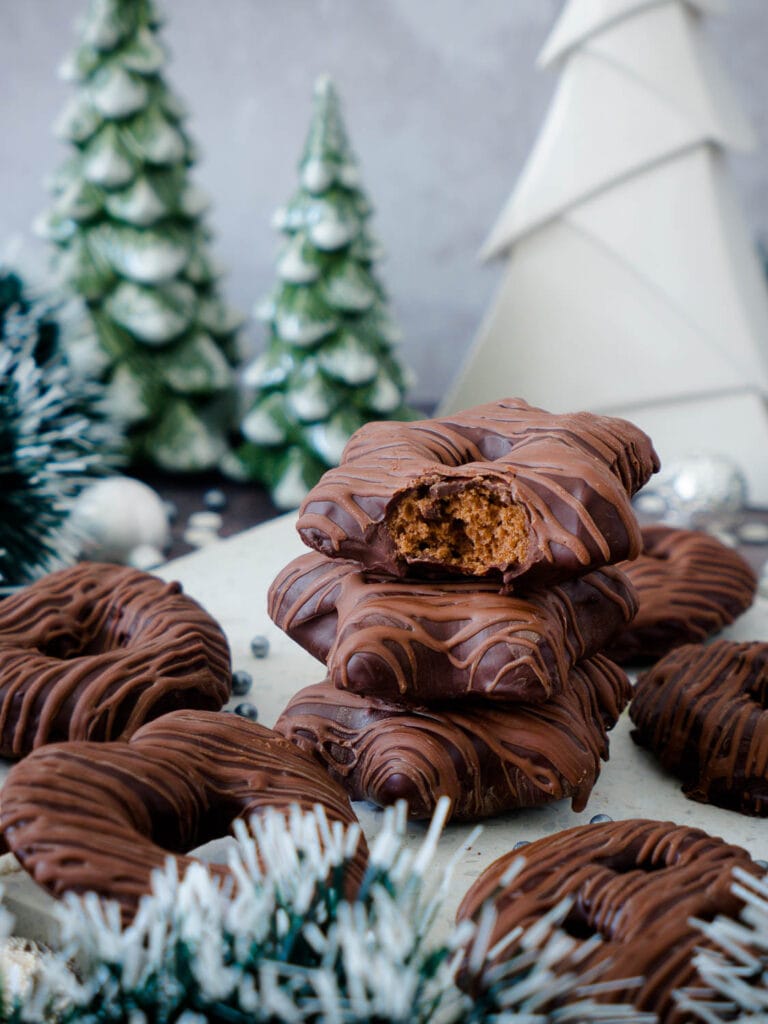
<point>94,651</point>
<point>487,759</point>
<point>689,585</point>
<point>704,712</point>
<point>635,883</point>
<point>101,816</point>
<point>570,477</point>
<point>429,640</point>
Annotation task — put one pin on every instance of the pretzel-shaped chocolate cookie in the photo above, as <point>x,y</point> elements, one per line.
<point>101,816</point>
<point>703,712</point>
<point>504,488</point>
<point>689,585</point>
<point>93,652</point>
<point>487,758</point>
<point>423,640</point>
<point>635,883</point>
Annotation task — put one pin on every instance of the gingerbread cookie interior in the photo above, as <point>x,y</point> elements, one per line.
<point>472,529</point>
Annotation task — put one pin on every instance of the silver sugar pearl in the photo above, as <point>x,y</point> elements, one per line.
<point>519,845</point>
<point>753,531</point>
<point>145,557</point>
<point>204,521</point>
<point>196,537</point>
<point>600,819</point>
<point>248,711</point>
<point>215,499</point>
<point>241,683</point>
<point>259,646</point>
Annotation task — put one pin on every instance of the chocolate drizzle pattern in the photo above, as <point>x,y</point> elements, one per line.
<point>430,640</point>
<point>94,651</point>
<point>101,816</point>
<point>573,476</point>
<point>690,585</point>
<point>637,884</point>
<point>704,712</point>
<point>486,758</point>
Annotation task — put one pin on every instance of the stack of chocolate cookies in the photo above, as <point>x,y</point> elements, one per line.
<point>460,593</point>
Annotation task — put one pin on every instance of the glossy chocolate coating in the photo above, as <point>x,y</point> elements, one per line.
<point>689,585</point>
<point>704,712</point>
<point>486,758</point>
<point>101,816</point>
<point>94,651</point>
<point>573,476</point>
<point>637,884</point>
<point>427,640</point>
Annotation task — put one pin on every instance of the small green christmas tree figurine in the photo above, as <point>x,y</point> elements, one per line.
<point>132,243</point>
<point>328,366</point>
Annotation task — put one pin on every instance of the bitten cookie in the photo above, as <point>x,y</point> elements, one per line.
<point>94,651</point>
<point>503,489</point>
<point>430,640</point>
<point>487,759</point>
<point>636,884</point>
<point>704,712</point>
<point>689,585</point>
<point>102,816</point>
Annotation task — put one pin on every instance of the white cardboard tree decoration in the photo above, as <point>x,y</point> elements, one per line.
<point>632,284</point>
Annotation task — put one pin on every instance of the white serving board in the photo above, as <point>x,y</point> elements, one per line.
<point>231,578</point>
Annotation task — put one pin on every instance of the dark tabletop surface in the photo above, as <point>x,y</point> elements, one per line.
<point>246,504</point>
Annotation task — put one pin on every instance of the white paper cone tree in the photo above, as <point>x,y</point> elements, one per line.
<point>128,225</point>
<point>329,365</point>
<point>632,284</point>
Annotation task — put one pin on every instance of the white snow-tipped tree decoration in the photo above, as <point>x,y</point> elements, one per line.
<point>735,967</point>
<point>132,241</point>
<point>632,286</point>
<point>285,947</point>
<point>329,365</point>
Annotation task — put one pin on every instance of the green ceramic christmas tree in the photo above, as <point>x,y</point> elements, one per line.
<point>132,242</point>
<point>329,364</point>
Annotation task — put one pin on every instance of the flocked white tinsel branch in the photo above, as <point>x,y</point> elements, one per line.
<point>736,968</point>
<point>280,943</point>
<point>49,449</point>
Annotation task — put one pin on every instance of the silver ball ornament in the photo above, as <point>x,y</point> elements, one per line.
<point>118,515</point>
<point>695,492</point>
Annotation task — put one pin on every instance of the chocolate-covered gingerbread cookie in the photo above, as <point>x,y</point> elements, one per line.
<point>637,885</point>
<point>502,489</point>
<point>703,712</point>
<point>486,758</point>
<point>102,816</point>
<point>423,640</point>
<point>94,651</point>
<point>689,585</point>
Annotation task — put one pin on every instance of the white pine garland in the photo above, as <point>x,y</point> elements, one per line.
<point>736,969</point>
<point>282,945</point>
<point>46,444</point>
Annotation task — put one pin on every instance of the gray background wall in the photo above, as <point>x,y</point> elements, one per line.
<point>442,99</point>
